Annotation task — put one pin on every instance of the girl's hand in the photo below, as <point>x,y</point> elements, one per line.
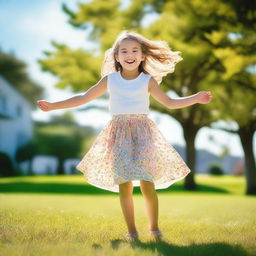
<point>203,97</point>
<point>44,105</point>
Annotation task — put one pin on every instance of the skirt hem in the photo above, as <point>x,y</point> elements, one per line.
<point>135,183</point>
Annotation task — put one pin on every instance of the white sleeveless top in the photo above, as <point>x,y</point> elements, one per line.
<point>128,96</point>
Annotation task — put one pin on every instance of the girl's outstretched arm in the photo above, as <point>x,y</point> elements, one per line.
<point>200,97</point>
<point>95,91</point>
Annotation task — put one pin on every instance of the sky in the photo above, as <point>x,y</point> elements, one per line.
<point>27,29</point>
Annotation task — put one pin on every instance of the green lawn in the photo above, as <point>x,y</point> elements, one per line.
<point>63,215</point>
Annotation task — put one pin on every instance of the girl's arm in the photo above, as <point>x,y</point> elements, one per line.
<point>200,97</point>
<point>95,91</point>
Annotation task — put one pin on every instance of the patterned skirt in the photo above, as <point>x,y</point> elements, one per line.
<point>131,148</point>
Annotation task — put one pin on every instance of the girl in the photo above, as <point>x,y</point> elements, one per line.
<point>130,150</point>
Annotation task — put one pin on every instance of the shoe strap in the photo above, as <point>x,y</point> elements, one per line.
<point>132,234</point>
<point>156,232</point>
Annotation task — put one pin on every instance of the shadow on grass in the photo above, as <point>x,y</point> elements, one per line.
<point>67,188</point>
<point>166,249</point>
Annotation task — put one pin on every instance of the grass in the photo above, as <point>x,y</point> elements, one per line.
<point>63,215</point>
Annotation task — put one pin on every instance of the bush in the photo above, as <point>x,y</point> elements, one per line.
<point>6,165</point>
<point>25,152</point>
<point>215,169</point>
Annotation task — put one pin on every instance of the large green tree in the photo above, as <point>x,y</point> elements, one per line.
<point>238,57</point>
<point>188,26</point>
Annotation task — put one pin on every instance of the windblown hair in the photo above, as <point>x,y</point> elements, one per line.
<point>159,61</point>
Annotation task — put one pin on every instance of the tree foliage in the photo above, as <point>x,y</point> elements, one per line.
<point>15,72</point>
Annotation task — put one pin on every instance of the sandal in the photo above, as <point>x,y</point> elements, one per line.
<point>132,236</point>
<point>156,234</point>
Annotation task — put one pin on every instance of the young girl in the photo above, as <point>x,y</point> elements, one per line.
<point>130,150</point>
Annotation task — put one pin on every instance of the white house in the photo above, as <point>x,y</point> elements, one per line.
<point>16,125</point>
<point>16,129</point>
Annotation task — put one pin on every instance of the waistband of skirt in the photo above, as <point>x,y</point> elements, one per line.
<point>129,116</point>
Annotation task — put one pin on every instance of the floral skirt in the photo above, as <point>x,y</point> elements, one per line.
<point>131,148</point>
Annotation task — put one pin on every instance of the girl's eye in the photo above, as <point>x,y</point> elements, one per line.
<point>126,51</point>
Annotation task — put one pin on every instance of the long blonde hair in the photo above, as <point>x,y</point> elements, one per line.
<point>159,58</point>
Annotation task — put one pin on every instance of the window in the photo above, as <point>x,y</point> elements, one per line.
<point>3,104</point>
<point>19,110</point>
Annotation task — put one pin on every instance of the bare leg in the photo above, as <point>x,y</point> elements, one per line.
<point>126,200</point>
<point>151,202</point>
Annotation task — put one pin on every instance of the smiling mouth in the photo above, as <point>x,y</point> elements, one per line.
<point>130,62</point>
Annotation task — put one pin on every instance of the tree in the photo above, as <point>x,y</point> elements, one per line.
<point>14,71</point>
<point>63,138</point>
<point>26,153</point>
<point>238,57</point>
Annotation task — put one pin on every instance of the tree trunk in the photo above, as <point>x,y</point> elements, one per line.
<point>30,164</point>
<point>60,169</point>
<point>189,133</point>
<point>246,137</point>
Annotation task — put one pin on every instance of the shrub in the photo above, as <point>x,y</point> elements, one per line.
<point>215,169</point>
<point>6,165</point>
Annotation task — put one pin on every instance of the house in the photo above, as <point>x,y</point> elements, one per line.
<point>16,125</point>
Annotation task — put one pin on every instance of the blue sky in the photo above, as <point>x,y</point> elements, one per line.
<point>27,28</point>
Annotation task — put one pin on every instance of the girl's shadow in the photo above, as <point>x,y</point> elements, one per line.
<point>164,248</point>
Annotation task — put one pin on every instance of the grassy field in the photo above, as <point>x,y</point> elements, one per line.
<point>63,215</point>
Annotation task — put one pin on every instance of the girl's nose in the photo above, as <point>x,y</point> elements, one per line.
<point>130,54</point>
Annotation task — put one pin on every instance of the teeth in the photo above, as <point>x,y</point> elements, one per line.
<point>130,61</point>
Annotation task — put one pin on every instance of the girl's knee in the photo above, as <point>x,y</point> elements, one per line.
<point>126,187</point>
<point>147,186</point>
<point>145,183</point>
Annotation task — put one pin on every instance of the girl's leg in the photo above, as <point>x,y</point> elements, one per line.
<point>151,200</point>
<point>126,200</point>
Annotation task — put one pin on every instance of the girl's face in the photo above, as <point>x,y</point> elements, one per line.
<point>129,54</point>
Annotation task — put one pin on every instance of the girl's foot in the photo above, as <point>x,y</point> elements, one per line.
<point>132,236</point>
<point>156,234</point>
